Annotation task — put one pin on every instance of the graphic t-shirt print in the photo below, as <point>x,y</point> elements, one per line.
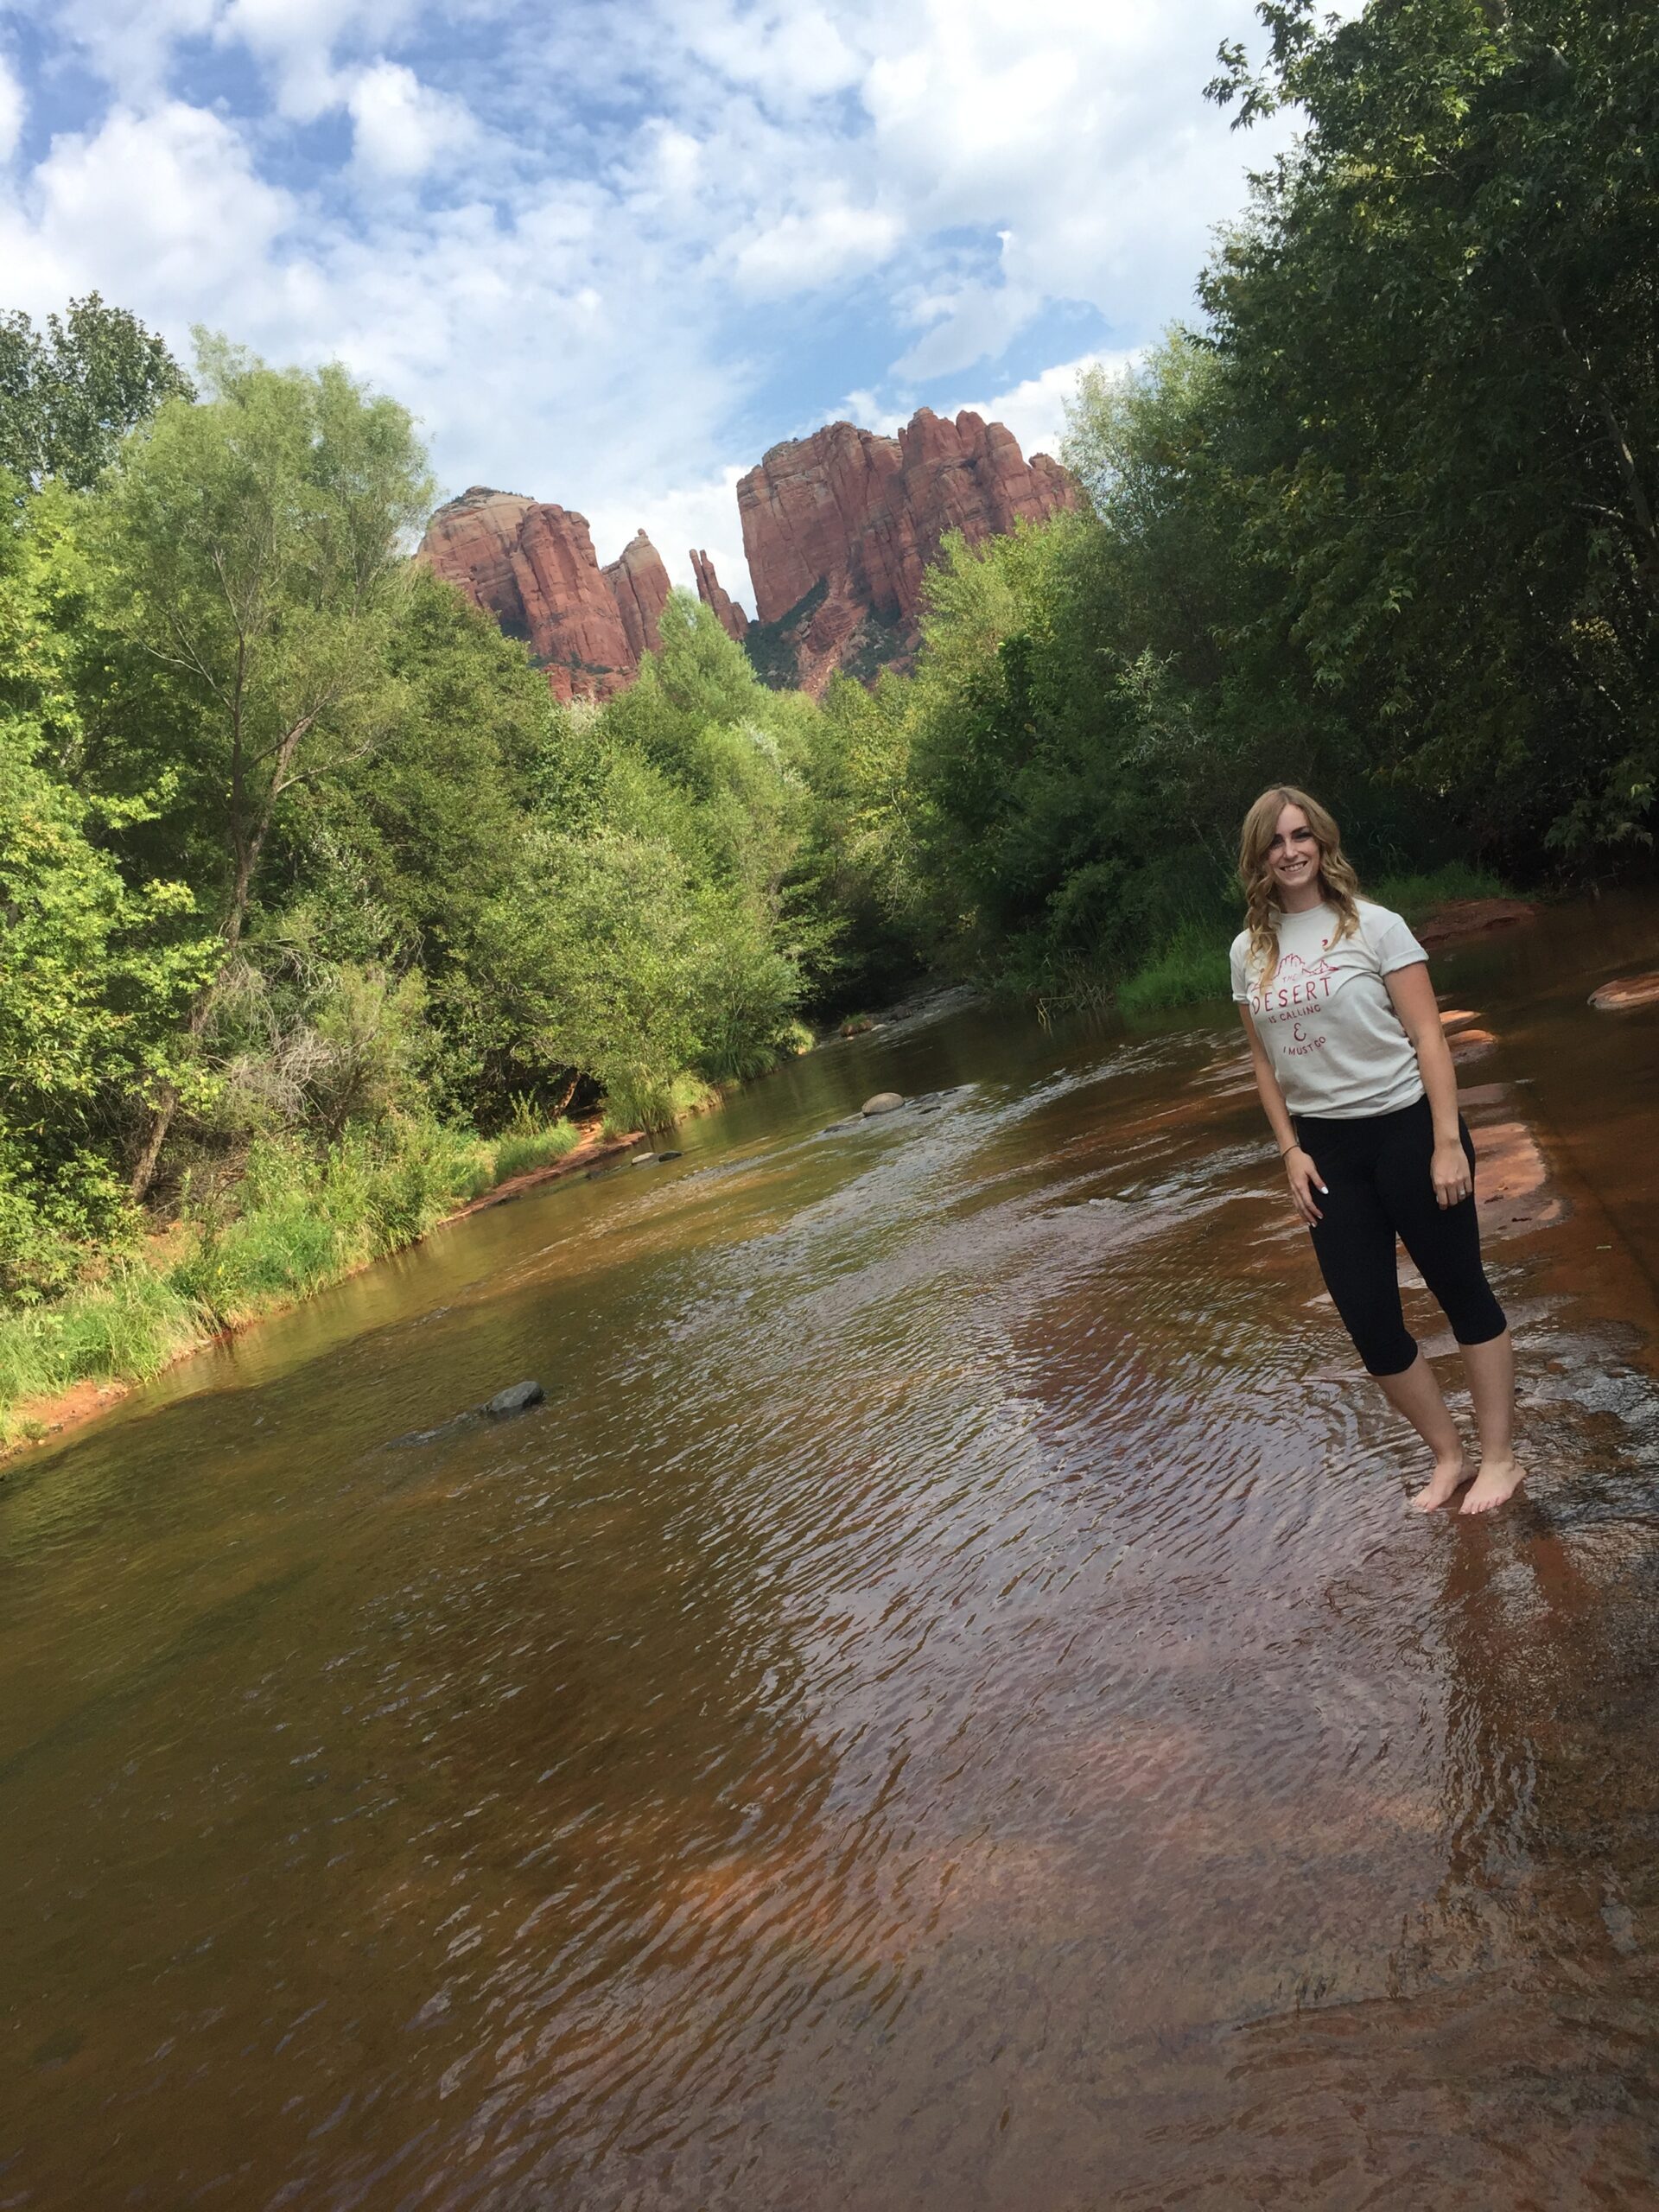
<point>1298,993</point>
<point>1325,1015</point>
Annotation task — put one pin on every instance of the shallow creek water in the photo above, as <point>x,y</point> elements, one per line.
<point>947,1705</point>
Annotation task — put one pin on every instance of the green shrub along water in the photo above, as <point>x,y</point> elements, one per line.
<point>317,913</point>
<point>293,1221</point>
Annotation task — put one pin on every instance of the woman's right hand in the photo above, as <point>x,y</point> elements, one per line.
<point>1304,1178</point>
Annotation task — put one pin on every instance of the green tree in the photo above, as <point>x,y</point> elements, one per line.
<point>422,835</point>
<point>1439,323</point>
<point>253,549</point>
<point>70,394</point>
<point>855,869</point>
<point>94,975</point>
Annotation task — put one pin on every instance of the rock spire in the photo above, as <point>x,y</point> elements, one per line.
<point>730,616</point>
<point>532,565</point>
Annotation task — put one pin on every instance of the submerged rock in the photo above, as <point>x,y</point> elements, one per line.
<point>1454,919</point>
<point>884,1101</point>
<point>1627,991</point>
<point>502,1407</point>
<point>1472,1043</point>
<point>518,1400</point>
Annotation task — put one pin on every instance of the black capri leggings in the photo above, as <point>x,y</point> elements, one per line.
<point>1376,1171</point>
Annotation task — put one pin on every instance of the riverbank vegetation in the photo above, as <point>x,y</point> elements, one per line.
<point>315,910</point>
<point>1383,521</point>
<point>319,916</point>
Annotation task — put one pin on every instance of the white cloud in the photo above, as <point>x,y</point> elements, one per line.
<point>402,126</point>
<point>575,267</point>
<point>790,53</point>
<point>1034,409</point>
<point>296,40</point>
<point>803,252</point>
<point>161,210</point>
<point>12,107</point>
<point>131,46</point>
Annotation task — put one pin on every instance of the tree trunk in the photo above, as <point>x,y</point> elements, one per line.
<point>167,1104</point>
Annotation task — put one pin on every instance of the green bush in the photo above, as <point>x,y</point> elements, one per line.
<point>1192,968</point>
<point>648,1102</point>
<point>1413,895</point>
<point>521,1150</point>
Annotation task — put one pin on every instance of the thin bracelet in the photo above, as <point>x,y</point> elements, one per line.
<point>1288,1149</point>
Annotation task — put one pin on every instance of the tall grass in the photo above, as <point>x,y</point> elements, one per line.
<point>521,1150</point>
<point>1192,968</point>
<point>654,1103</point>
<point>295,1222</point>
<point>1415,895</point>
<point>127,1327</point>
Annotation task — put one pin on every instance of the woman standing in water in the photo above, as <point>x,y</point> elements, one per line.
<point>1353,1070</point>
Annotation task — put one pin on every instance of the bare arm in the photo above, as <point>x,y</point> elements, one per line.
<point>1303,1176</point>
<point>1413,1002</point>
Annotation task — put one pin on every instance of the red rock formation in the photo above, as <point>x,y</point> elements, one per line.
<point>730,616</point>
<point>840,530</point>
<point>639,583</point>
<point>533,566</point>
<point>856,518</point>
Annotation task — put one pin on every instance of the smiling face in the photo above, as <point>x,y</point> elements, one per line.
<point>1293,857</point>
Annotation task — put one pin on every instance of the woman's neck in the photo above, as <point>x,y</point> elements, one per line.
<point>1304,898</point>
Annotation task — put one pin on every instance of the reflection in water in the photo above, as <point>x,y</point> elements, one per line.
<point>946,1707</point>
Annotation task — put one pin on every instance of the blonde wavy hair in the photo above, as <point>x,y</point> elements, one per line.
<point>1337,882</point>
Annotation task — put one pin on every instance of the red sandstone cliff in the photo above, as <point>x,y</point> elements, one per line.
<point>640,584</point>
<point>840,529</point>
<point>533,566</point>
<point>729,615</point>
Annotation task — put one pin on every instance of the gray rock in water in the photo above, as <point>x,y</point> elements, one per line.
<point>671,1155</point>
<point>644,1160</point>
<point>884,1101</point>
<point>518,1400</point>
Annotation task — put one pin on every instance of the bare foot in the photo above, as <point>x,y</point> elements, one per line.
<point>1496,1483</point>
<point>1449,1477</point>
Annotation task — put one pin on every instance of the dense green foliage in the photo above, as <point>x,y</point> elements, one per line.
<point>1383,525</point>
<point>69,395</point>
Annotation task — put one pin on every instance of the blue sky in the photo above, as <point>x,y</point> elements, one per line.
<point>609,251</point>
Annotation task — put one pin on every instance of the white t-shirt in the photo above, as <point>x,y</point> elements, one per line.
<point>1337,1044</point>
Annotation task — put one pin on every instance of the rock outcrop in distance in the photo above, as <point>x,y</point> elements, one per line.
<point>840,529</point>
<point>532,565</point>
<point>730,616</point>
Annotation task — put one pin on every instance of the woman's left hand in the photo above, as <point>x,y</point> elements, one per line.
<point>1450,1173</point>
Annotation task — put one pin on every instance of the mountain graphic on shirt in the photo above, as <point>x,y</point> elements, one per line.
<point>1294,985</point>
<point>1292,967</point>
